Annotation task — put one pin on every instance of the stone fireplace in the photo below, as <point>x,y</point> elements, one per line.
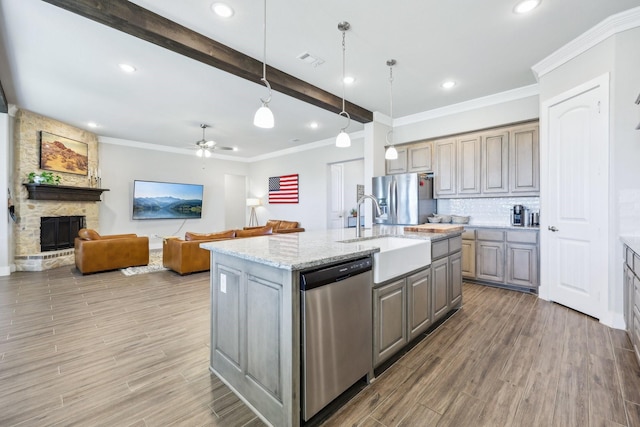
<point>59,232</point>
<point>29,255</point>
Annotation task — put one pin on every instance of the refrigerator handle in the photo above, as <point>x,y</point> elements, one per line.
<point>394,200</point>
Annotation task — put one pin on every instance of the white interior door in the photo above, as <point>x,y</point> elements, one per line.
<point>336,196</point>
<point>575,198</point>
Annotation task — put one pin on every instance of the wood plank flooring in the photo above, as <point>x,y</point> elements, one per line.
<point>112,350</point>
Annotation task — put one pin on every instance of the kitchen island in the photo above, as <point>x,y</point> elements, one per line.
<point>256,309</point>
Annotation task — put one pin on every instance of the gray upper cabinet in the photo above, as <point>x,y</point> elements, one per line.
<point>524,160</point>
<point>445,170</point>
<point>498,162</point>
<point>469,164</point>
<point>398,165</point>
<point>495,163</point>
<point>420,157</point>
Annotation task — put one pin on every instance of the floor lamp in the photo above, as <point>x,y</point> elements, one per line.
<point>253,218</point>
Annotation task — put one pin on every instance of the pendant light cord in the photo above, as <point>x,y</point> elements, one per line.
<point>264,55</point>
<point>344,48</point>
<point>390,63</point>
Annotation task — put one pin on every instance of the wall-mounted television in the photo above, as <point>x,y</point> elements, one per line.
<point>166,200</point>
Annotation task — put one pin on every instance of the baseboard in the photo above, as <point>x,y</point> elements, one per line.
<point>5,270</point>
<point>613,320</point>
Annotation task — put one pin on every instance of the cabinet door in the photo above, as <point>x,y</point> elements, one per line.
<point>495,163</point>
<point>455,274</point>
<point>469,165</point>
<point>419,302</point>
<point>469,259</point>
<point>524,160</point>
<point>490,261</point>
<point>445,174</point>
<point>440,284</point>
<point>420,157</point>
<point>398,165</point>
<point>627,283</point>
<point>390,320</point>
<point>522,265</point>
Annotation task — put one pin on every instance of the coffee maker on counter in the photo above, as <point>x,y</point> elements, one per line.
<point>518,215</point>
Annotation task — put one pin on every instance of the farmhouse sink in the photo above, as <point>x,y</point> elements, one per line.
<point>398,256</point>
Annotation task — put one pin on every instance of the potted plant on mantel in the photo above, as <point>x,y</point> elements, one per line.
<point>44,178</point>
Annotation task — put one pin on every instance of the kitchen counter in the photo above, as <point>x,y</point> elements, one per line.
<point>502,226</point>
<point>632,241</point>
<point>299,251</point>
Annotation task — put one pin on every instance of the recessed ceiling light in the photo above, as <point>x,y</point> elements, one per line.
<point>526,6</point>
<point>448,84</point>
<point>313,125</point>
<point>348,80</point>
<point>223,10</point>
<point>92,125</point>
<point>127,68</point>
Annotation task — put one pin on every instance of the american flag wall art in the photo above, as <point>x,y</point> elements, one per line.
<point>283,189</point>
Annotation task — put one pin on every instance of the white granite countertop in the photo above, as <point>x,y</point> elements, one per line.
<point>298,251</point>
<point>632,241</point>
<point>503,226</point>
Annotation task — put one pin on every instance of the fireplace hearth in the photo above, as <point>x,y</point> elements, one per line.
<point>59,232</point>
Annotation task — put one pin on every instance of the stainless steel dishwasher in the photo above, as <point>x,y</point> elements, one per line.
<point>336,331</point>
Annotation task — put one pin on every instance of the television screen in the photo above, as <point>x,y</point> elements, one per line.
<point>166,200</point>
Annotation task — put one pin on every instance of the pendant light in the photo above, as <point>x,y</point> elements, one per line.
<point>391,153</point>
<point>264,117</point>
<point>343,140</point>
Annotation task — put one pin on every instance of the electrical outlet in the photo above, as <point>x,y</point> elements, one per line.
<point>155,236</point>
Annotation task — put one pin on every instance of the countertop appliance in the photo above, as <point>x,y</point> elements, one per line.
<point>518,215</point>
<point>336,331</point>
<point>405,199</point>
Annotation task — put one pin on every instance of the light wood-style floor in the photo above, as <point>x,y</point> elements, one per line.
<point>106,349</point>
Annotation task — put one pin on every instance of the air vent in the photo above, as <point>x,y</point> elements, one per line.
<point>310,59</point>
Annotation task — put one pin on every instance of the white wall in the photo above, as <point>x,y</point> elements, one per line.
<point>617,55</point>
<point>122,164</point>
<point>353,175</point>
<point>311,166</point>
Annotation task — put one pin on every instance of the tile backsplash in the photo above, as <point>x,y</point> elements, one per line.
<point>487,211</point>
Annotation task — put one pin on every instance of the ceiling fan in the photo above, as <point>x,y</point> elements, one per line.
<point>206,147</point>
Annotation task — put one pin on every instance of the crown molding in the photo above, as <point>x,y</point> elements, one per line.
<point>473,104</point>
<point>306,147</point>
<point>612,25</point>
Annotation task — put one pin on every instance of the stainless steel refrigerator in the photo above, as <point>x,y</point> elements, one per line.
<point>405,199</point>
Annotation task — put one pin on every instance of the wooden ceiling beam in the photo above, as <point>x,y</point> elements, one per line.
<point>134,20</point>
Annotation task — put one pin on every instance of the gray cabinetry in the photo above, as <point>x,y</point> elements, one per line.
<point>446,276</point>
<point>524,160</point>
<point>495,163</point>
<point>502,256</point>
<point>390,320</point>
<point>498,162</point>
<point>490,255</point>
<point>398,165</point>
<point>631,291</point>
<point>440,278</point>
<point>420,157</point>
<point>419,302</point>
<point>468,165</point>
<point>445,169</point>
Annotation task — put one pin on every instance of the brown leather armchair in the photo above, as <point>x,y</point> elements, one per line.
<point>186,256</point>
<point>95,253</point>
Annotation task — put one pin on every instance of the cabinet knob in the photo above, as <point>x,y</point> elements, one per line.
<point>552,228</point>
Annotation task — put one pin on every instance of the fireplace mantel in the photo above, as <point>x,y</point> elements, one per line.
<point>64,193</point>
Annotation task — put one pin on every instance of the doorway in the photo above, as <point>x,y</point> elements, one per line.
<point>235,209</point>
<point>575,198</point>
<point>344,179</point>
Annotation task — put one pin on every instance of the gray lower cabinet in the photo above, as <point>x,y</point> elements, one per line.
<point>631,290</point>
<point>406,307</point>
<point>501,256</point>
<point>390,320</point>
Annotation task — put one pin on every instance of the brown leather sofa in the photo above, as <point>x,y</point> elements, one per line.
<point>186,256</point>
<point>280,226</point>
<point>94,252</point>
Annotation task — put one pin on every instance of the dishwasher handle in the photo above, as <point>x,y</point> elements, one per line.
<point>323,276</point>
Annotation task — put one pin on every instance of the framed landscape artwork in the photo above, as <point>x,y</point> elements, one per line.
<point>61,154</point>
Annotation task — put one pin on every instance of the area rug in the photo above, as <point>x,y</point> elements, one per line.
<point>155,264</point>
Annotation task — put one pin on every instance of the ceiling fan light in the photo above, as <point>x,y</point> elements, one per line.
<point>264,117</point>
<point>391,153</point>
<point>207,153</point>
<point>343,140</point>
<point>199,152</point>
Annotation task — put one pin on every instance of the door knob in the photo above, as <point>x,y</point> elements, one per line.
<point>552,228</point>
